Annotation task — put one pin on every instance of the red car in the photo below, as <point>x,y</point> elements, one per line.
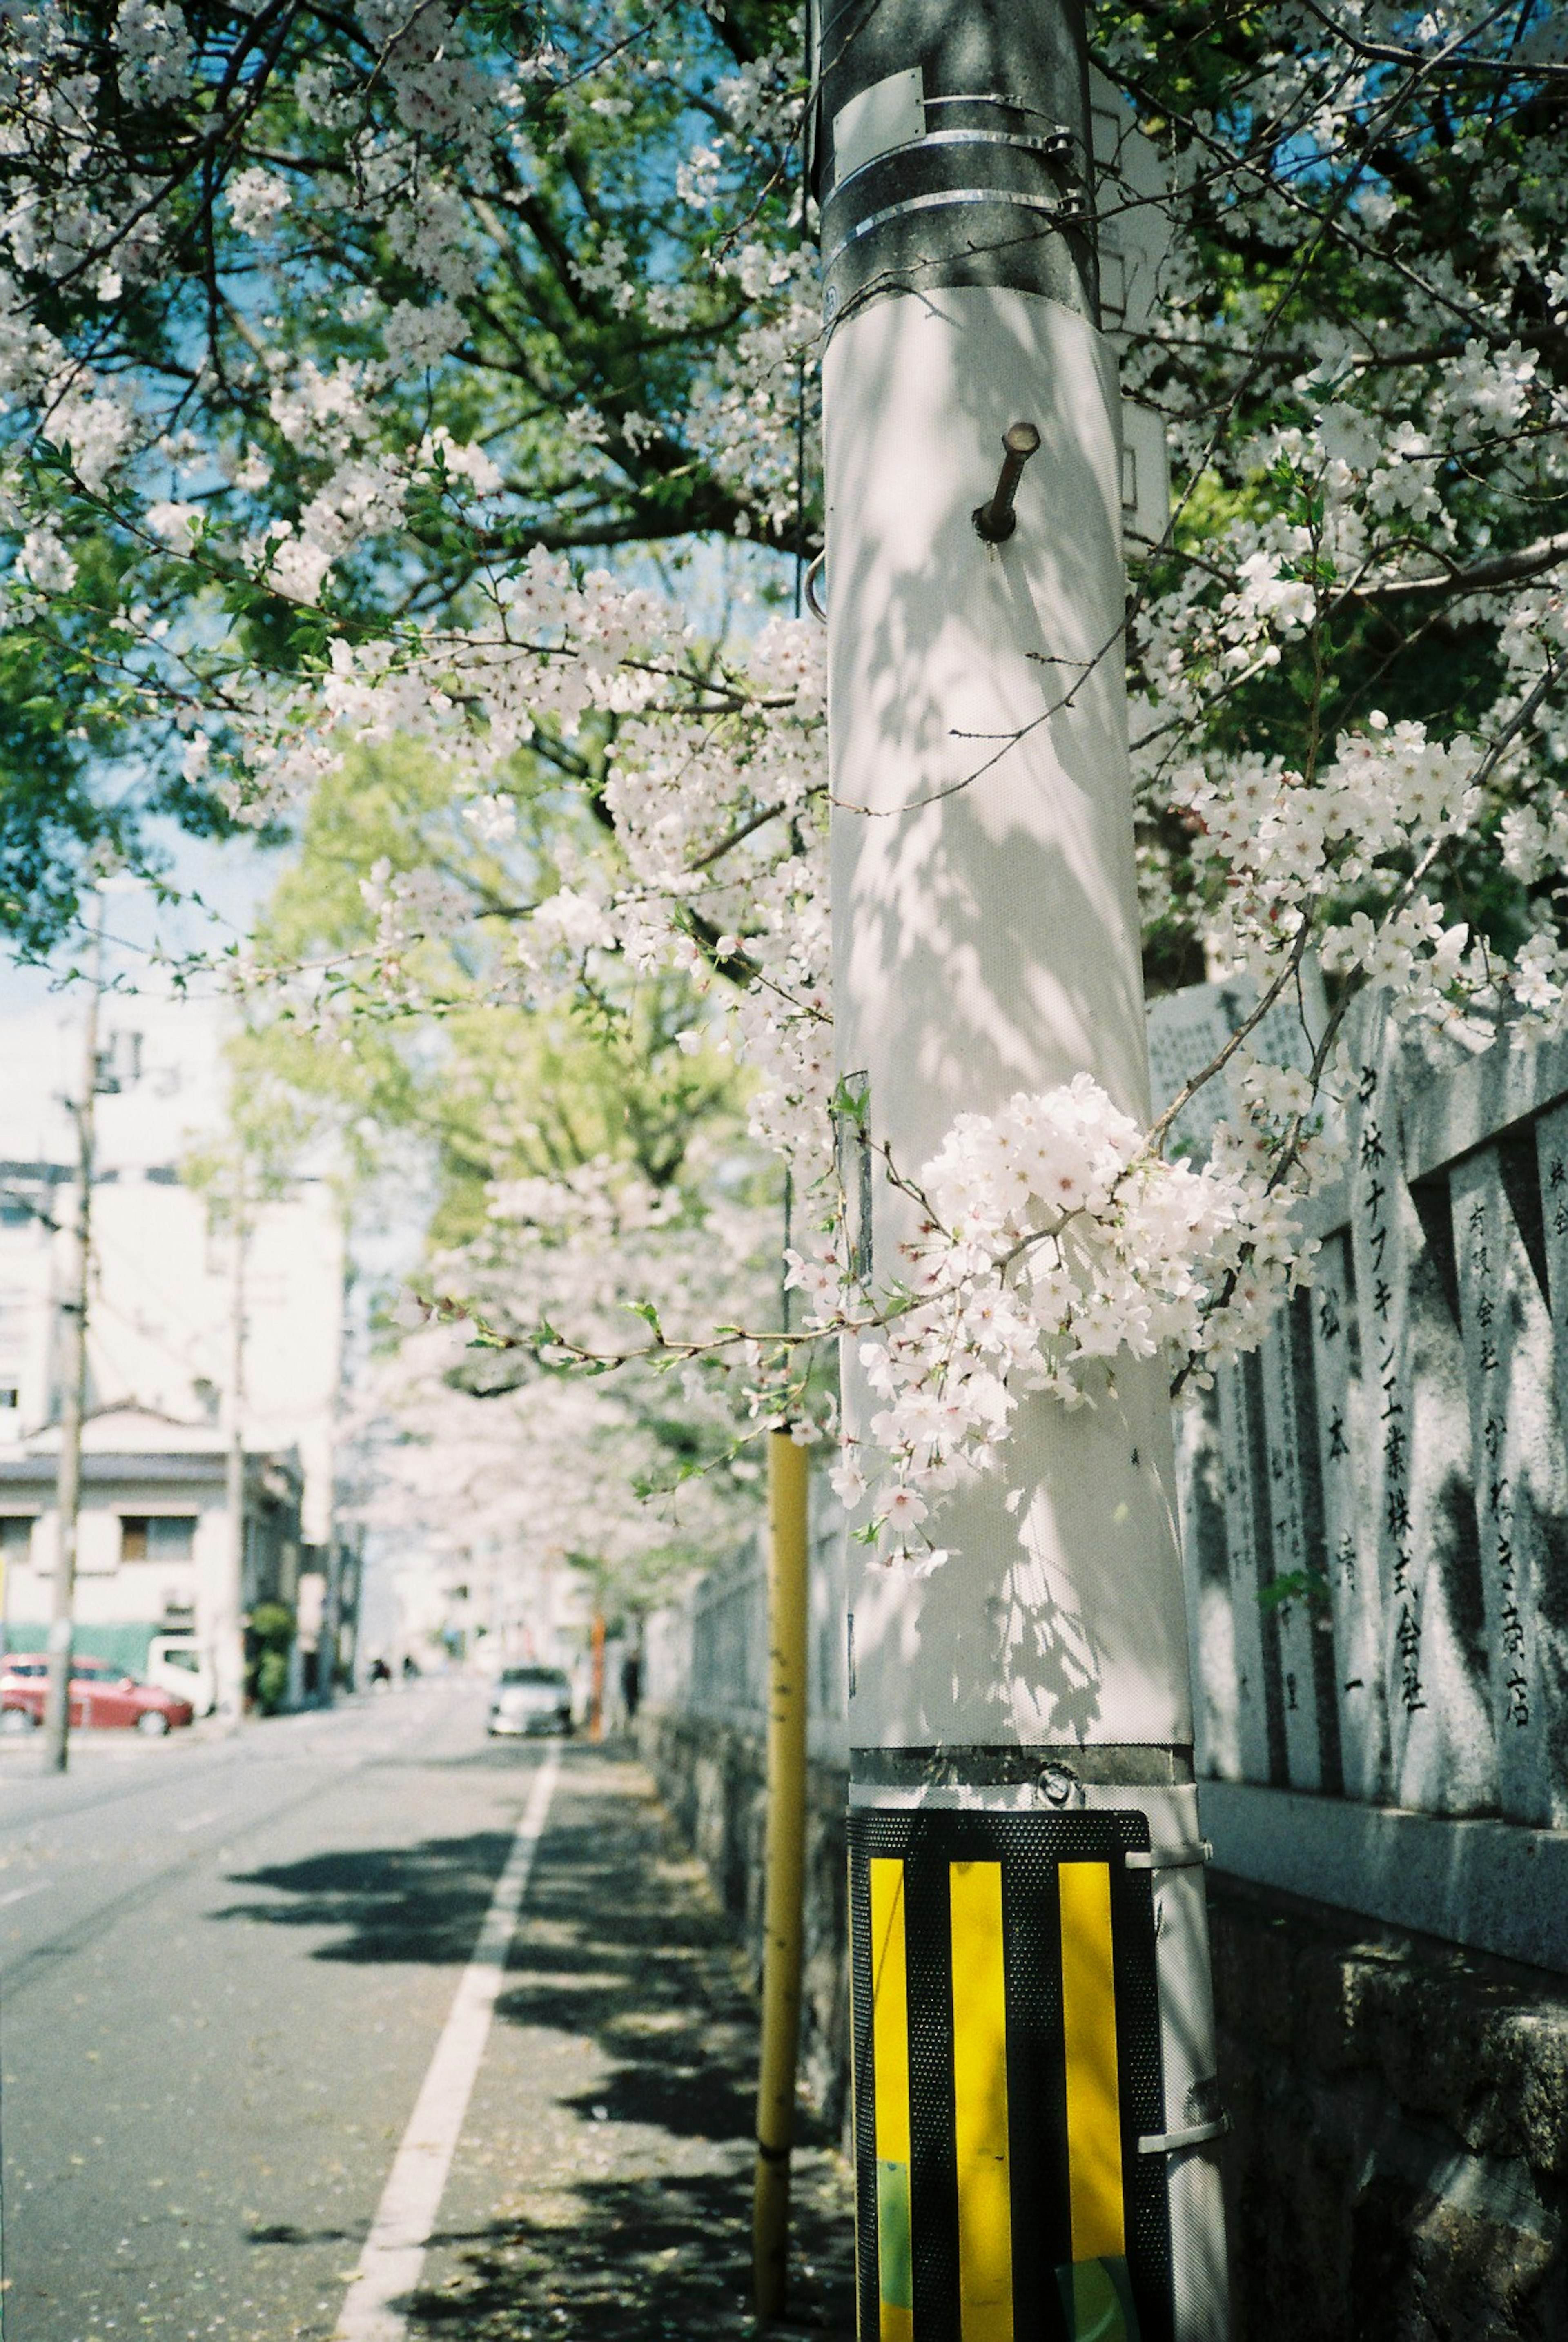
<point>101,1694</point>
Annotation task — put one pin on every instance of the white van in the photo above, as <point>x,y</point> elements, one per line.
<point>176,1663</point>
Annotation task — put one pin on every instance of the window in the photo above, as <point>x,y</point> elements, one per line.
<point>17,1537</point>
<point>156,1537</point>
<point>189,1660</point>
<point>10,1398</point>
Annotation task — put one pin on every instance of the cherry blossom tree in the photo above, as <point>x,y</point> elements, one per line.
<point>595,1172</point>
<point>320,310</point>
<point>402,373</point>
<point>561,1475</point>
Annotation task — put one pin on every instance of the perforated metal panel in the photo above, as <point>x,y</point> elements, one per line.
<point>1047,2195</point>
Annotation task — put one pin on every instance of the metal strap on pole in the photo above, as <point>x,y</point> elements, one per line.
<point>1172,2142</point>
<point>1170,1858</point>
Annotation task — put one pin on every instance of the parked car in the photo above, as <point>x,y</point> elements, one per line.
<point>100,1695</point>
<point>177,1664</point>
<point>530,1700</point>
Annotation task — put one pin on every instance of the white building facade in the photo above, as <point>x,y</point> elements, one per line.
<point>164,1289</point>
<point>152,1536</point>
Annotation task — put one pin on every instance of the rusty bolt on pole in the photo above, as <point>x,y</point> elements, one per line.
<point>996,521</point>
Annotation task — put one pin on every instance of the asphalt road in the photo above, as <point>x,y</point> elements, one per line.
<point>223,1967</point>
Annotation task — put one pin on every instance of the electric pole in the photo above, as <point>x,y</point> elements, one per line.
<point>1034,2059</point>
<point>226,1628</point>
<point>73,1379</point>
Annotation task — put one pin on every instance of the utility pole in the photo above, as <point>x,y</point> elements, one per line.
<point>73,1379</point>
<point>331,1622</point>
<point>1033,2058</point>
<point>229,1608</point>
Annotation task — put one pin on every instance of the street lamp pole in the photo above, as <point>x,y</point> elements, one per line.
<point>73,1379</point>
<point>1034,2057</point>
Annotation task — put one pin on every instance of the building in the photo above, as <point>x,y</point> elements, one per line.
<point>153,1538</point>
<point>165,1287</point>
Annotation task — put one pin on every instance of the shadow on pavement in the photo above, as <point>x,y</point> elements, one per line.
<point>423,1902</point>
<point>284,2232</point>
<point>645,2260</point>
<point>620,2201</point>
<point>639,2227</point>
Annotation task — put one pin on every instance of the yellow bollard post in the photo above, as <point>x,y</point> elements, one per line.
<point>785,1882</point>
<point>596,1677</point>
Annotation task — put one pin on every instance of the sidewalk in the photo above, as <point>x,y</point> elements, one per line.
<point>603,2185</point>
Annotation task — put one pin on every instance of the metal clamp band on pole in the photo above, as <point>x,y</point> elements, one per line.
<point>1062,210</point>
<point>1172,2142</point>
<point>1170,1858</point>
<point>1056,148</point>
<point>813,581</point>
<point>1060,135</point>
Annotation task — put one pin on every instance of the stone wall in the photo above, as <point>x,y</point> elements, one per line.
<point>710,1779</point>
<point>1398,2166</point>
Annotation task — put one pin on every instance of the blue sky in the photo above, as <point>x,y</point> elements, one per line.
<point>224,885</point>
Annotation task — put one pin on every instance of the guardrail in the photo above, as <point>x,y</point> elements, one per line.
<point>706,1653</point>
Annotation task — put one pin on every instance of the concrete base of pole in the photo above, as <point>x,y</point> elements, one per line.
<point>57,1732</point>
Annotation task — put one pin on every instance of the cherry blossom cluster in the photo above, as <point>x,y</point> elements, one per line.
<point>713,786</point>
<point>599,1274</point>
<point>385,318</point>
<point>1052,1240</point>
<point>1289,847</point>
<point>327,223</point>
<point>560,1472</point>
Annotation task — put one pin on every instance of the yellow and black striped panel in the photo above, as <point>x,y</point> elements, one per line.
<point>1006,2061</point>
<point>890,2112</point>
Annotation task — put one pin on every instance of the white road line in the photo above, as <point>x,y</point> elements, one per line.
<point>394,2252</point>
<point>18,1893</point>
